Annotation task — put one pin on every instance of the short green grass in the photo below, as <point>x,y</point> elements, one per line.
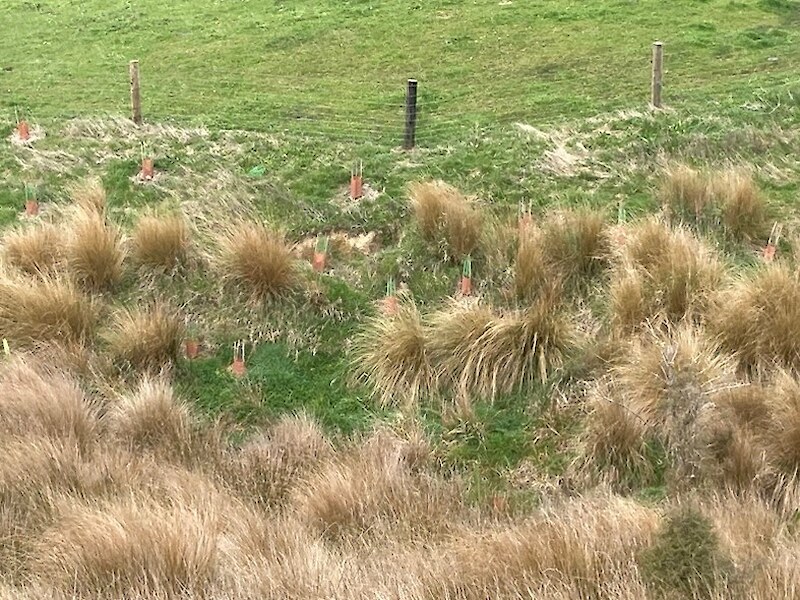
<point>269,104</point>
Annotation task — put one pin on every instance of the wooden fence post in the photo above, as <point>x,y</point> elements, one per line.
<point>411,115</point>
<point>658,73</point>
<point>136,99</point>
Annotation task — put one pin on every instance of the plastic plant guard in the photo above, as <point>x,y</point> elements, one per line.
<point>466,277</point>
<point>320,254</point>
<point>238,368</point>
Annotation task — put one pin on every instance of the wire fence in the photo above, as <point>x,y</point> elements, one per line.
<point>370,107</point>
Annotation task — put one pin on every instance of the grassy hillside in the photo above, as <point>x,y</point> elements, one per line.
<point>616,399</point>
<point>338,68</point>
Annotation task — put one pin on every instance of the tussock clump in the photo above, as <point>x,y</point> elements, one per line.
<point>128,548</point>
<point>617,443</point>
<point>35,250</point>
<point>270,465</point>
<point>686,558</point>
<point>759,320</point>
<point>377,486</point>
<point>708,199</point>
<point>583,545</point>
<point>533,272</point>
<point>520,347</point>
<point>146,338</point>
<point>666,275</point>
<point>152,419</point>
<point>658,408</point>
<point>33,472</point>
<point>160,242</point>
<point>89,195</point>
<point>391,355</point>
<point>744,207</point>
<point>455,333</point>
<point>44,309</point>
<point>577,245</point>
<point>782,437</point>
<point>478,351</point>
<point>684,193</point>
<point>256,258</point>
<point>445,216</point>
<point>94,251</point>
<point>663,374</point>
<point>44,401</point>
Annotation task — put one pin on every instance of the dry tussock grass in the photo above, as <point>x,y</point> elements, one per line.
<point>515,349</point>
<point>268,466</point>
<point>145,338</point>
<point>102,550</point>
<point>469,349</point>
<point>34,310</point>
<point>37,400</point>
<point>392,357</point>
<point>152,419</point>
<point>684,192</point>
<point>665,275</point>
<point>257,259</point>
<point>533,271</point>
<point>160,241</point>
<point>35,250</point>
<point>377,485</point>
<point>663,389</point>
<point>728,198</point>
<point>744,207</point>
<point>94,251</point>
<point>577,245</point>
<point>759,320</point>
<point>445,216</point>
<point>89,195</point>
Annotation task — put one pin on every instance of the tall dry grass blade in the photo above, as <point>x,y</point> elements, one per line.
<point>35,250</point>
<point>160,242</point>
<point>145,338</point>
<point>44,309</point>
<point>257,259</point>
<point>94,251</point>
<point>391,356</point>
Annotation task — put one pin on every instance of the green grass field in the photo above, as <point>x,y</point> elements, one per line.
<point>258,110</point>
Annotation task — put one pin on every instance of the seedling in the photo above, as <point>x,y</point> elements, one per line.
<point>320,254</point>
<point>390,301</point>
<point>6,347</point>
<point>238,368</point>
<point>772,243</point>
<point>357,181</point>
<point>466,277</point>
<point>148,168</point>
<point>31,203</point>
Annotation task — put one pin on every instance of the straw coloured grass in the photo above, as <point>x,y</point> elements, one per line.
<point>160,242</point>
<point>35,250</point>
<point>391,355</point>
<point>445,217</point>
<point>94,251</point>
<point>44,309</point>
<point>89,195</point>
<point>758,320</point>
<point>145,338</point>
<point>730,199</point>
<point>666,275</point>
<point>257,259</point>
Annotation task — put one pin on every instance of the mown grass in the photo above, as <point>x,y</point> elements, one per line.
<point>474,61</point>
